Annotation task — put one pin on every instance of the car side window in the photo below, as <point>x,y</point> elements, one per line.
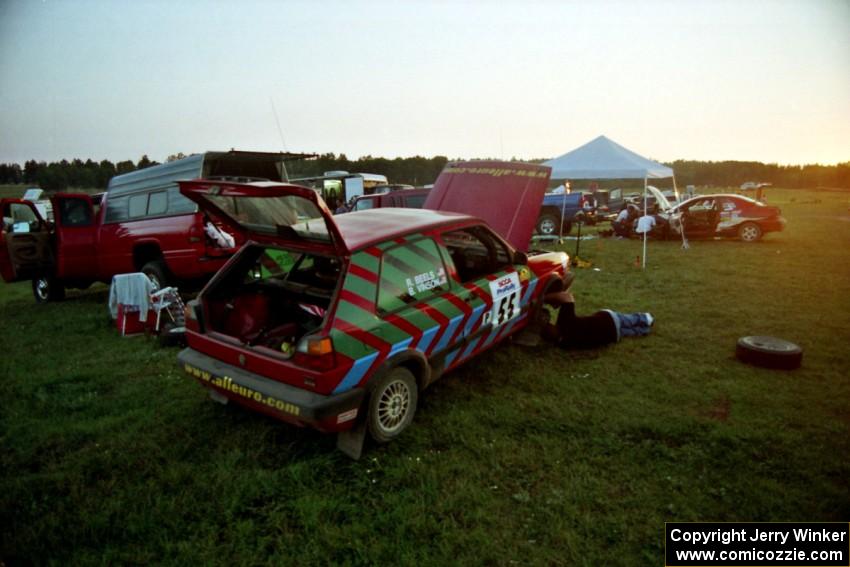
<point>363,204</point>
<point>19,217</point>
<point>75,212</point>
<point>116,209</point>
<point>157,203</point>
<point>178,204</point>
<point>702,205</point>
<point>728,205</point>
<point>476,252</point>
<point>415,202</point>
<point>410,272</point>
<point>138,205</point>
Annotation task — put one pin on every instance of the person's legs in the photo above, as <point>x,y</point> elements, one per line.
<point>634,324</point>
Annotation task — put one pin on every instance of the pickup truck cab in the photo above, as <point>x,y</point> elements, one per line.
<point>338,322</point>
<point>143,224</point>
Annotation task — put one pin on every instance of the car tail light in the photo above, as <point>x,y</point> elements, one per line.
<point>195,233</point>
<point>315,352</point>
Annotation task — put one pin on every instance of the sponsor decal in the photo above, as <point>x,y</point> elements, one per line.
<point>426,281</point>
<point>227,384</point>
<point>346,416</point>
<point>498,171</point>
<point>506,305</point>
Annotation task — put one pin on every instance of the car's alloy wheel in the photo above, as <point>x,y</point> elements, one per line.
<point>750,232</point>
<point>392,404</point>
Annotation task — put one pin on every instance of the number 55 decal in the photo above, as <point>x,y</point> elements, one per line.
<point>505,293</point>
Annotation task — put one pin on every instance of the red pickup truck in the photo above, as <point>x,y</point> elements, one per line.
<point>143,224</point>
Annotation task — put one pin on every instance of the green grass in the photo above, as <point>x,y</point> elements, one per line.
<point>523,456</point>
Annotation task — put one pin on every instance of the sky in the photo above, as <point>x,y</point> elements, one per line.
<point>707,80</point>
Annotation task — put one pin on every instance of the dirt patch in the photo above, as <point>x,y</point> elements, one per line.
<point>719,410</point>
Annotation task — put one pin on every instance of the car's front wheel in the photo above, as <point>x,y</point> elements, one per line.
<point>392,404</point>
<point>749,232</point>
<point>46,289</point>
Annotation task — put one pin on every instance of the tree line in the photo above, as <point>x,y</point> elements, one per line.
<point>418,170</point>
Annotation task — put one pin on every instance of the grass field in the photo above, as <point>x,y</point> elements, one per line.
<point>524,456</point>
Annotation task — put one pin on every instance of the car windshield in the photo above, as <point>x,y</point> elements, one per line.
<point>283,216</point>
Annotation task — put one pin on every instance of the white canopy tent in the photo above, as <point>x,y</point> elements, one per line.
<point>602,158</point>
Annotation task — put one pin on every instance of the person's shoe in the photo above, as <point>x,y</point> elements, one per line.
<point>650,319</point>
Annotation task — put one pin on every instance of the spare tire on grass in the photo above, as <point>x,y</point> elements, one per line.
<point>769,352</point>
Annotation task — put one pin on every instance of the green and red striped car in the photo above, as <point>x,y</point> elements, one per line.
<point>339,322</point>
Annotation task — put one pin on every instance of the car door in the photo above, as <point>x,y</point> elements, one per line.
<point>418,299</point>
<point>492,288</point>
<point>700,217</point>
<point>75,229</point>
<point>729,215</point>
<point>26,249</point>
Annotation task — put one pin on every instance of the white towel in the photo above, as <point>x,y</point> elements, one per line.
<point>131,290</point>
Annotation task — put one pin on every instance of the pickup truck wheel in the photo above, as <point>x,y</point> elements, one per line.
<point>392,404</point>
<point>548,225</point>
<point>156,272</point>
<point>46,288</point>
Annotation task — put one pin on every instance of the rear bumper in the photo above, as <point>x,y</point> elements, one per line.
<point>281,401</point>
<point>773,225</point>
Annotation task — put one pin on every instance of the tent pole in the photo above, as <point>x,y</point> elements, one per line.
<point>563,208</point>
<point>685,244</point>
<point>645,212</point>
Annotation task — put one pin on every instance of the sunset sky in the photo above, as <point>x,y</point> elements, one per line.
<point>709,80</point>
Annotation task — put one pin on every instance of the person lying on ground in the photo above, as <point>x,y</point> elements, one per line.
<point>590,331</point>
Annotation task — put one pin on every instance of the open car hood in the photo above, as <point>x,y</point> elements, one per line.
<point>507,195</point>
<point>271,212</point>
<point>663,204</point>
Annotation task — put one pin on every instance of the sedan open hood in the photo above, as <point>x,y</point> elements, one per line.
<point>663,204</point>
<point>507,195</point>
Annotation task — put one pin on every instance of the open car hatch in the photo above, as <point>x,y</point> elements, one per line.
<point>270,212</point>
<point>507,195</point>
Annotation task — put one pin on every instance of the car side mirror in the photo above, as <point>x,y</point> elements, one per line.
<point>520,257</point>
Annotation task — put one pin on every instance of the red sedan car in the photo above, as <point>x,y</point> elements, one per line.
<point>725,215</point>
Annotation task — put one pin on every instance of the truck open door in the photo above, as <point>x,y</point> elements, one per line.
<point>75,233</point>
<point>25,252</point>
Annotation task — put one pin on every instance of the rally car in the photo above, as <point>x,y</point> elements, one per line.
<point>727,215</point>
<point>339,322</point>
<point>710,216</point>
